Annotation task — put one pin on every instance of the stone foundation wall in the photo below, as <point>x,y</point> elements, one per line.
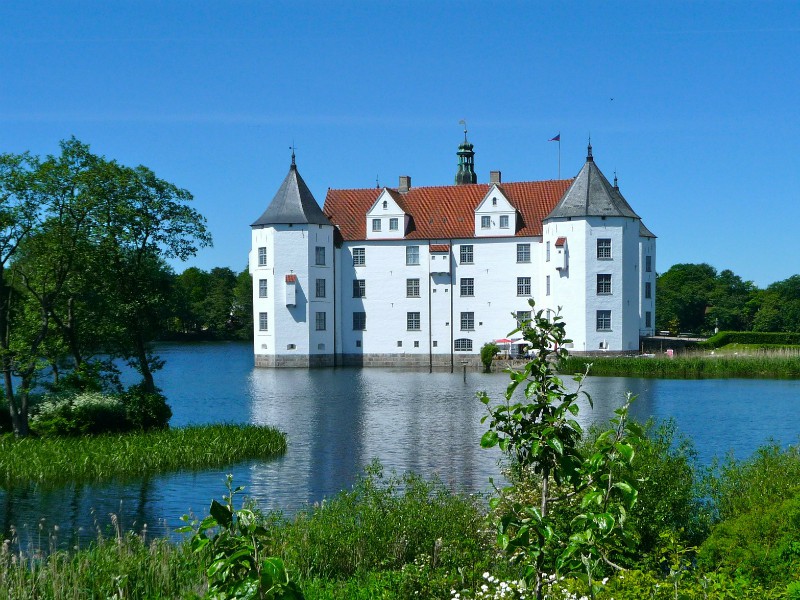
<point>294,361</point>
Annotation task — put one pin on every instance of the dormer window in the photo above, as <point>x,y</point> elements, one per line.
<point>385,205</point>
<point>486,222</point>
<point>376,224</point>
<point>503,221</point>
<point>393,224</point>
<point>494,201</point>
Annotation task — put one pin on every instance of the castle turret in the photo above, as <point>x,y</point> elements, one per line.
<point>466,162</point>
<point>291,262</point>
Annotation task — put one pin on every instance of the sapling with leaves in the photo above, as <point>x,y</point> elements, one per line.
<point>541,436</point>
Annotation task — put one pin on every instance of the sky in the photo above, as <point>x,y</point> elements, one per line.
<point>695,105</point>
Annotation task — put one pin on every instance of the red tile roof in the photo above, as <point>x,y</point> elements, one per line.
<point>445,211</point>
<point>440,247</point>
<point>291,278</point>
<point>561,241</point>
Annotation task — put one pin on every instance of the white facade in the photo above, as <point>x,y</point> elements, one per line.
<point>395,293</point>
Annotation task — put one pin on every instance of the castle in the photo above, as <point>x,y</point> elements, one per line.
<point>424,276</point>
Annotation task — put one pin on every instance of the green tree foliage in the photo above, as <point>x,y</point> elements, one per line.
<point>488,351</point>
<point>694,297</point>
<point>778,306</point>
<point>82,264</point>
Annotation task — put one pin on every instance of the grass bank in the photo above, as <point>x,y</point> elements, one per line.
<point>56,460</point>
<point>690,366</point>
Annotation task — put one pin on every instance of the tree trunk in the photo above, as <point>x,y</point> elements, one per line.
<point>144,364</point>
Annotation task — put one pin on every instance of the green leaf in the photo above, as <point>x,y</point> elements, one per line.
<point>221,514</point>
<point>556,445</point>
<point>489,439</point>
<point>626,450</point>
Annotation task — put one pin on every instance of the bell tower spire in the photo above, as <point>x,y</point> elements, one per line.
<point>466,160</point>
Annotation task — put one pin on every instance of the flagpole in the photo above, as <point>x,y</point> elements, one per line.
<point>559,155</point>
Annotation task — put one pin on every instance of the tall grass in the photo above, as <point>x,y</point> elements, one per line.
<point>690,366</point>
<point>54,461</point>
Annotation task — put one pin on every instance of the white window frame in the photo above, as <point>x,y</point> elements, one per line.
<point>359,257</point>
<point>359,288</point>
<point>523,286</point>
<point>394,224</point>
<point>648,290</point>
<point>522,316</point>
<point>263,288</point>
<point>604,287</point>
<point>320,288</point>
<point>604,320</point>
<point>321,320</point>
<point>263,321</point>
<point>412,255</point>
<point>486,222</point>
<point>462,345</point>
<point>413,321</point>
<point>376,225</point>
<point>262,256</point>
<point>468,321</point>
<point>412,287</point>
<point>503,221</point>
<point>547,252</point>
<point>547,285</point>
<point>359,321</point>
<point>467,287</point>
<point>319,256</point>
<point>604,249</point>
<point>523,253</point>
<point>467,254</point>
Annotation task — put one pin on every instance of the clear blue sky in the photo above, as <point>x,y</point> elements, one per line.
<point>703,129</point>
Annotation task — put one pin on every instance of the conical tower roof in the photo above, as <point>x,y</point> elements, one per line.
<point>293,204</point>
<point>591,195</point>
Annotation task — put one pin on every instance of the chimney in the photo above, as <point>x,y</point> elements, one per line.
<point>495,177</point>
<point>405,184</point>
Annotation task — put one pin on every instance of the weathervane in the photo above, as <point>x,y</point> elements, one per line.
<point>293,148</point>
<point>464,123</point>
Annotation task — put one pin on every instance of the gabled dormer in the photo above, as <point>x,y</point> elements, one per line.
<point>495,216</point>
<point>387,218</point>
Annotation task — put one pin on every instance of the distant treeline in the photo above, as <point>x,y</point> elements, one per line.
<point>696,298</point>
<point>212,305</point>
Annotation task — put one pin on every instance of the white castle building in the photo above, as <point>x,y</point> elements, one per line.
<point>425,276</point>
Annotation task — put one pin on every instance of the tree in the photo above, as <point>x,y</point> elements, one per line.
<point>778,307</point>
<point>541,436</point>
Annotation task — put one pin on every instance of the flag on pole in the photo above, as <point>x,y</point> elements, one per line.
<point>555,139</point>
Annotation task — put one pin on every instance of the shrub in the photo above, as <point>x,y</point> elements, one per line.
<point>757,338</point>
<point>488,351</point>
<point>87,413</point>
<point>146,410</point>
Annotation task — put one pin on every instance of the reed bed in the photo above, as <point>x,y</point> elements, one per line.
<point>691,366</point>
<point>56,460</point>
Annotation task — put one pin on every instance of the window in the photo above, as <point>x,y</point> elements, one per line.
<point>604,284</point>
<point>412,255</point>
<point>523,253</point>
<point>648,264</point>
<point>320,288</point>
<point>320,255</point>
<point>359,321</point>
<point>648,289</point>
<point>462,345</point>
<point>320,321</point>
<point>486,222</point>
<point>467,286</point>
<point>548,252</point>
<point>393,224</point>
<point>359,288</point>
<point>435,343</point>
<point>359,257</point>
<point>376,224</point>
<point>263,321</point>
<point>503,221</point>
<point>547,285</point>
<point>412,321</point>
<point>467,321</point>
<point>494,201</point>
<point>648,319</point>
<point>466,254</point>
<point>399,343</point>
<point>416,343</point>
<point>603,248</point>
<point>522,316</point>
<point>603,320</point>
<point>262,256</point>
<point>385,205</point>
<point>412,288</point>
<point>523,286</point>
<point>262,288</point>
